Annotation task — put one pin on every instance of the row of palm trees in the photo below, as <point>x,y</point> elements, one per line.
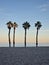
<point>26,26</point>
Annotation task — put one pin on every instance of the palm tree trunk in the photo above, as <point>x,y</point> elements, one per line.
<point>9,38</point>
<point>14,38</point>
<point>37,38</point>
<point>25,37</point>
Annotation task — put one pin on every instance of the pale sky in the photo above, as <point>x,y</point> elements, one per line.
<point>20,11</point>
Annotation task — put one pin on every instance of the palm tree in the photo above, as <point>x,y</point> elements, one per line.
<point>38,25</point>
<point>14,27</point>
<point>9,25</point>
<point>26,26</point>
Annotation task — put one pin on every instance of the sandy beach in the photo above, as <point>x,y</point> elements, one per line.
<point>24,56</point>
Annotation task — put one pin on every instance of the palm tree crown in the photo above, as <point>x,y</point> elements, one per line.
<point>26,25</point>
<point>15,25</point>
<point>38,25</point>
<point>9,25</point>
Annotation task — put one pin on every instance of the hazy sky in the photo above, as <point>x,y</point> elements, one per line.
<point>20,11</point>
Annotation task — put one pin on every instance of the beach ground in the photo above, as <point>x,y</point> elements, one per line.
<point>24,56</point>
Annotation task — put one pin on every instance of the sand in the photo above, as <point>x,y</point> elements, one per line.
<point>24,56</point>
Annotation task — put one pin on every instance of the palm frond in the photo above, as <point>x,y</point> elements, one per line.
<point>38,25</point>
<point>9,24</point>
<point>15,25</point>
<point>26,25</point>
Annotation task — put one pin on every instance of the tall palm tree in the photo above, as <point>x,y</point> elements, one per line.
<point>26,26</point>
<point>14,27</point>
<point>9,25</point>
<point>38,25</point>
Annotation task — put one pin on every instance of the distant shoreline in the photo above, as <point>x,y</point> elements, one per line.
<point>22,45</point>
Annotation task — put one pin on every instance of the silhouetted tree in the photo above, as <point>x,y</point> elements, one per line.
<point>38,25</point>
<point>14,27</point>
<point>9,25</point>
<point>26,26</point>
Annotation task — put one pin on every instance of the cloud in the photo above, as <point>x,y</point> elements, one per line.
<point>44,7</point>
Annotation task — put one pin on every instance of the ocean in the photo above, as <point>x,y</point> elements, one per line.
<point>22,44</point>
